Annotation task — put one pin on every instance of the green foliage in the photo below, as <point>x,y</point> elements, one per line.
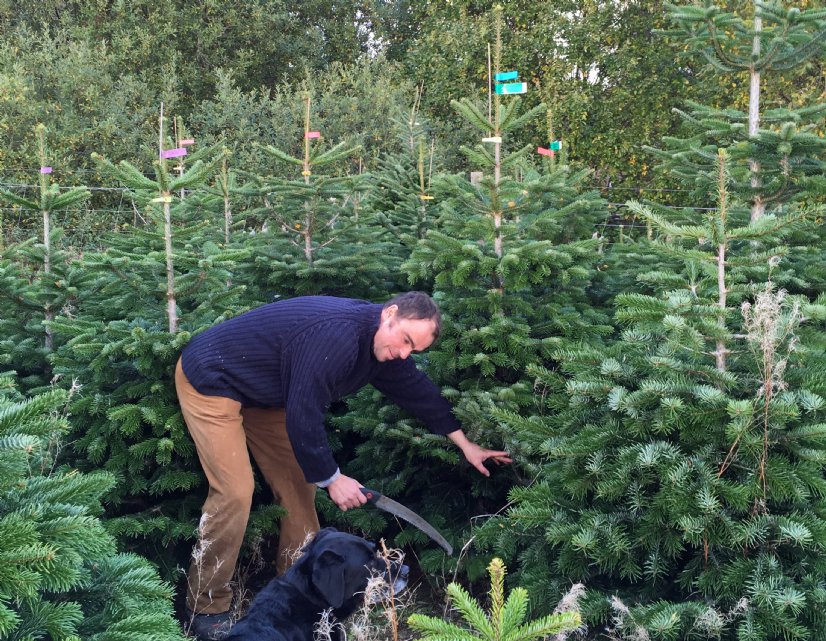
<point>508,265</point>
<point>650,461</point>
<point>505,622</point>
<point>671,459</point>
<point>657,483</point>
<point>184,42</point>
<point>774,152</point>
<point>62,575</point>
<point>321,241</point>
<point>356,103</point>
<point>608,80</point>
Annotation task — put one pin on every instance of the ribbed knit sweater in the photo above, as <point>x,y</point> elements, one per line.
<point>301,354</point>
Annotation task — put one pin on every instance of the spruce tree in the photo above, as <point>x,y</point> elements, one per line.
<point>318,239</point>
<point>62,575</point>
<point>159,200</point>
<point>153,284</point>
<point>401,182</point>
<point>681,468</point>
<point>511,290</point>
<point>38,279</point>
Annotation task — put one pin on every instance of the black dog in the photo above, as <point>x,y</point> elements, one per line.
<point>332,574</point>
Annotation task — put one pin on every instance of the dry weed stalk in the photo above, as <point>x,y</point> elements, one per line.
<point>570,603</point>
<point>770,335</point>
<point>636,632</point>
<point>325,629</point>
<point>711,622</point>
<point>378,618</point>
<point>242,596</point>
<point>198,553</point>
<point>708,625</point>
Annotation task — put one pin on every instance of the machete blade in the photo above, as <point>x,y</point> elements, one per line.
<point>397,509</point>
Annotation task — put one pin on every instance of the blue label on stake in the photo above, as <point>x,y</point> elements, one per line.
<point>512,87</point>
<point>506,75</point>
<point>556,144</point>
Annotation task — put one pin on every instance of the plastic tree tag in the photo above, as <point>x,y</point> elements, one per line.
<point>45,170</point>
<point>512,88</point>
<point>313,134</point>
<point>162,199</point>
<point>306,173</point>
<point>544,152</point>
<point>173,153</point>
<point>502,76</point>
<point>187,141</point>
<point>556,144</point>
<point>492,139</point>
<point>426,197</point>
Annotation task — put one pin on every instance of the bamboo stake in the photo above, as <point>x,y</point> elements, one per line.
<point>171,303</point>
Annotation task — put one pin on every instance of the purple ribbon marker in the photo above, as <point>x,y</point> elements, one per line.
<point>173,153</point>
<point>45,170</point>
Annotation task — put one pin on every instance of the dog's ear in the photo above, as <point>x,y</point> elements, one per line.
<point>328,577</point>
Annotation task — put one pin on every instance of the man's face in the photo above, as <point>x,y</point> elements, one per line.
<point>399,337</point>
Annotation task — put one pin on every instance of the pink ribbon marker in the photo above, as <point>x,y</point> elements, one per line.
<point>173,153</point>
<point>45,170</point>
<point>188,141</point>
<point>545,152</point>
<point>313,134</point>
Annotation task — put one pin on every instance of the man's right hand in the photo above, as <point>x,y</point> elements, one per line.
<point>346,493</point>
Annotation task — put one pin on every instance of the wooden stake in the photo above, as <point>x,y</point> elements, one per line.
<point>306,172</point>
<point>490,86</point>
<point>160,134</point>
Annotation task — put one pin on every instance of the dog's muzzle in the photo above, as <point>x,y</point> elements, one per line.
<point>394,582</point>
<point>399,581</point>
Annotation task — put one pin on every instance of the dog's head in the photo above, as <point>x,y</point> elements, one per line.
<point>341,566</point>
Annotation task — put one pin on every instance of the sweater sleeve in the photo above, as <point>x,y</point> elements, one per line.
<point>318,360</point>
<point>411,389</point>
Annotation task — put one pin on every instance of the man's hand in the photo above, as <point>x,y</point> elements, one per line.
<point>477,455</point>
<point>346,493</point>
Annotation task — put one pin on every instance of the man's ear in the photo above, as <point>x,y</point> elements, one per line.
<point>328,577</point>
<point>389,312</point>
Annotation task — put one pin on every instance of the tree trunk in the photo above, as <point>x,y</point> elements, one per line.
<point>758,207</point>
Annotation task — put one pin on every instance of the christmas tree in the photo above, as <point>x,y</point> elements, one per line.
<point>38,279</point>
<point>63,577</point>
<point>153,284</point>
<point>318,238</point>
<point>511,290</point>
<point>680,469</point>
<point>773,151</point>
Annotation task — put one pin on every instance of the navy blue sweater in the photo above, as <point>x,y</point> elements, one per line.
<point>301,354</point>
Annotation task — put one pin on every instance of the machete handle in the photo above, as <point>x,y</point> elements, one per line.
<point>372,495</point>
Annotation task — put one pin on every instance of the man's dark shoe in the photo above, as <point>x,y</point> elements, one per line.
<point>210,627</point>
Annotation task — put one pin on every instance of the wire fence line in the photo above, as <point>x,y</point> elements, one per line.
<point>638,189</point>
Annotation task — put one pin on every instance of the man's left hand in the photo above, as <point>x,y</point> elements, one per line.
<point>477,455</point>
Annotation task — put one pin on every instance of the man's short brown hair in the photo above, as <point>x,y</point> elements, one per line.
<point>417,306</point>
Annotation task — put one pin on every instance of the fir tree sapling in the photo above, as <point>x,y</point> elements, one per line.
<point>156,195</point>
<point>52,293</point>
<point>504,622</point>
<point>117,345</point>
<point>318,240</point>
<point>400,193</point>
